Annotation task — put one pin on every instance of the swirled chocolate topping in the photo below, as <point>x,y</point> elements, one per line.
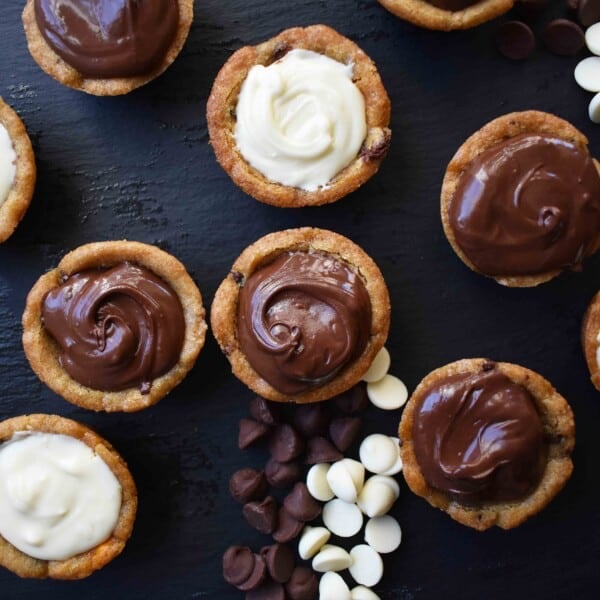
<point>109,38</point>
<point>452,5</point>
<point>527,206</point>
<point>478,437</point>
<point>116,328</point>
<point>302,318</point>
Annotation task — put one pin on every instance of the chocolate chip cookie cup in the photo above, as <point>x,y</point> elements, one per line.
<point>590,339</point>
<point>68,501</point>
<point>447,15</point>
<point>301,315</point>
<point>115,327</point>
<point>299,120</point>
<point>106,48</point>
<point>17,171</point>
<point>488,443</point>
<point>520,200</point>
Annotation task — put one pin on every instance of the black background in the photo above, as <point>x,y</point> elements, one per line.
<point>140,167</point>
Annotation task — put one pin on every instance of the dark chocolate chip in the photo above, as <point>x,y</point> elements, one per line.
<point>563,37</point>
<point>269,590</point>
<point>515,40</point>
<point>280,50</point>
<point>311,419</point>
<point>378,148</point>
<point>353,400</point>
<point>588,12</point>
<point>285,444</point>
<point>488,365</point>
<point>303,584</point>
<point>530,9</point>
<point>288,528</point>
<point>251,432</point>
<point>264,411</point>
<point>248,484</point>
<point>280,561</point>
<point>238,564</point>
<point>572,4</point>
<point>343,431</point>
<point>282,475</point>
<point>262,516</point>
<point>237,277</point>
<point>301,505</point>
<point>321,450</point>
<point>258,575</point>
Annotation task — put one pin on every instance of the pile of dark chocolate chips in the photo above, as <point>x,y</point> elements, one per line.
<point>297,437</point>
<point>515,39</point>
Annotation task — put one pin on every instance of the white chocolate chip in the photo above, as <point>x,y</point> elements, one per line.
<point>378,496</point>
<point>346,478</point>
<point>312,540</point>
<point>594,108</point>
<point>378,453</point>
<point>367,566</point>
<point>389,481</point>
<point>379,367</point>
<point>383,534</point>
<point>342,518</point>
<point>592,38</point>
<point>360,592</point>
<point>316,482</point>
<point>331,558</point>
<point>397,467</point>
<point>357,472</point>
<point>333,587</point>
<point>587,75</point>
<point>388,393</point>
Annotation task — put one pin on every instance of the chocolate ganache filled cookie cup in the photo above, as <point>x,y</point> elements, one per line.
<point>488,443</point>
<point>106,47</point>
<point>301,315</point>
<point>520,200</point>
<point>115,327</point>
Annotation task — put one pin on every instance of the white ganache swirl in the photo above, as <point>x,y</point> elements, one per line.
<point>8,166</point>
<point>57,497</point>
<point>300,120</point>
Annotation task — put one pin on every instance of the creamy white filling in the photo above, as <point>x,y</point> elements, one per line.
<point>300,120</point>
<point>8,164</point>
<point>57,497</point>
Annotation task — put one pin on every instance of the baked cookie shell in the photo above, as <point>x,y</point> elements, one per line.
<point>19,196</point>
<point>589,333</point>
<point>223,99</point>
<point>43,352</point>
<point>559,431</point>
<point>58,69</point>
<point>224,308</point>
<point>491,134</point>
<point>81,565</point>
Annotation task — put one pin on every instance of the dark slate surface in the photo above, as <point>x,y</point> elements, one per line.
<point>140,167</point>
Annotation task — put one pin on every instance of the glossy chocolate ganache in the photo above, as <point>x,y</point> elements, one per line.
<point>527,206</point>
<point>478,437</point>
<point>302,318</point>
<point>116,328</point>
<point>109,38</point>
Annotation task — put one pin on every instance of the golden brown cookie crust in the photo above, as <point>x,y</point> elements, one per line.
<point>589,339</point>
<point>224,308</point>
<point>423,14</point>
<point>223,101</point>
<point>84,564</point>
<point>58,69</point>
<point>559,431</point>
<point>19,196</point>
<point>490,135</point>
<point>43,352</point>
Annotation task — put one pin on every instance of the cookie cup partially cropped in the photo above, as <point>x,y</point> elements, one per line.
<point>590,336</point>
<point>19,197</point>
<point>558,431</point>
<point>52,64</point>
<point>423,14</point>
<point>221,116</point>
<point>43,352</point>
<point>224,309</point>
<point>84,564</point>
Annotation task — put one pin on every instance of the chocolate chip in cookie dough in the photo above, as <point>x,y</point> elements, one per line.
<point>303,584</point>
<point>288,528</point>
<point>248,484</point>
<point>301,505</point>
<point>262,516</point>
<point>563,37</point>
<point>285,444</point>
<point>251,432</point>
<point>282,475</point>
<point>321,450</point>
<point>515,40</point>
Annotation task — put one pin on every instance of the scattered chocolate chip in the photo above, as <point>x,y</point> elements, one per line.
<point>321,450</point>
<point>282,475</point>
<point>572,4</point>
<point>280,561</point>
<point>262,516</point>
<point>343,431</point>
<point>251,432</point>
<point>248,484</point>
<point>354,400</point>
<point>288,528</point>
<point>269,590</point>
<point>238,564</point>
<point>285,444</point>
<point>530,9</point>
<point>303,584</point>
<point>264,411</point>
<point>301,505</point>
<point>588,12</point>
<point>311,419</point>
<point>258,575</point>
<point>515,40</point>
<point>563,37</point>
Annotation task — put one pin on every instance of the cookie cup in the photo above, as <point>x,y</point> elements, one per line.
<point>52,64</point>
<point>559,432</point>
<point>43,352</point>
<point>221,116</point>
<point>590,331</point>
<point>84,564</point>
<point>224,308</point>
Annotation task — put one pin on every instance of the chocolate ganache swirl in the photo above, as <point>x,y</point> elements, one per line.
<point>478,437</point>
<point>527,206</point>
<point>109,38</point>
<point>302,318</point>
<point>116,328</point>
